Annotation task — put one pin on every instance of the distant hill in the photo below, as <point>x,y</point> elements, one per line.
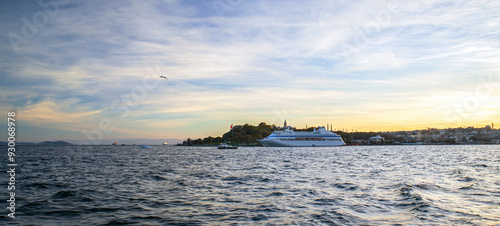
<point>17,143</point>
<point>127,141</point>
<point>51,143</point>
<point>137,141</point>
<point>55,143</point>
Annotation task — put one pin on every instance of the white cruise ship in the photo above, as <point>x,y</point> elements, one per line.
<point>290,138</point>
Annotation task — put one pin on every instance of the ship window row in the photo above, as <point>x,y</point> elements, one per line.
<point>308,138</point>
<point>284,136</point>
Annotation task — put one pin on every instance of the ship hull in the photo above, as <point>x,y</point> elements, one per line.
<point>304,143</point>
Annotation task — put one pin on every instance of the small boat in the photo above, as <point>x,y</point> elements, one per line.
<point>226,146</point>
<point>165,143</point>
<point>115,143</point>
<point>145,147</point>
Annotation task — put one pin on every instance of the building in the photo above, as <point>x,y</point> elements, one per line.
<point>377,139</point>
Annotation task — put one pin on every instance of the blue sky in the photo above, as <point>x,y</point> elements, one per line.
<point>82,69</point>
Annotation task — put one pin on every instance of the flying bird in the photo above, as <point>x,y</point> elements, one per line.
<point>163,77</point>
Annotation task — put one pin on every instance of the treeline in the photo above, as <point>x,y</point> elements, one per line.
<point>249,134</point>
<point>239,134</point>
<point>364,138</point>
<point>353,136</point>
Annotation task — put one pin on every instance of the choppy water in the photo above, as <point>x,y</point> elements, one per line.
<point>365,185</point>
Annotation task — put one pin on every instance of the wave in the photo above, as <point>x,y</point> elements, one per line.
<point>346,186</point>
<point>411,198</point>
<point>158,177</point>
<point>336,217</point>
<point>255,186</point>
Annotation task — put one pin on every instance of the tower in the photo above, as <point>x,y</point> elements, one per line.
<point>285,124</point>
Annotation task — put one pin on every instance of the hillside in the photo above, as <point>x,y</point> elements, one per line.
<point>239,134</point>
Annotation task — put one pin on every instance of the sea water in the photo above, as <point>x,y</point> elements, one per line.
<point>167,185</point>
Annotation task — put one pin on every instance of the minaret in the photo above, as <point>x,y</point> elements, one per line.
<point>285,123</point>
<point>492,125</point>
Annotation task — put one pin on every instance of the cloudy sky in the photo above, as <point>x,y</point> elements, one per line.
<point>88,69</point>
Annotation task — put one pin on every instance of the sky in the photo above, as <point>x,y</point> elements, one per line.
<point>89,70</point>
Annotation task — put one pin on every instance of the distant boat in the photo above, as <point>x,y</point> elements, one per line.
<point>165,143</point>
<point>115,143</point>
<point>145,147</point>
<point>226,146</point>
<point>123,144</point>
